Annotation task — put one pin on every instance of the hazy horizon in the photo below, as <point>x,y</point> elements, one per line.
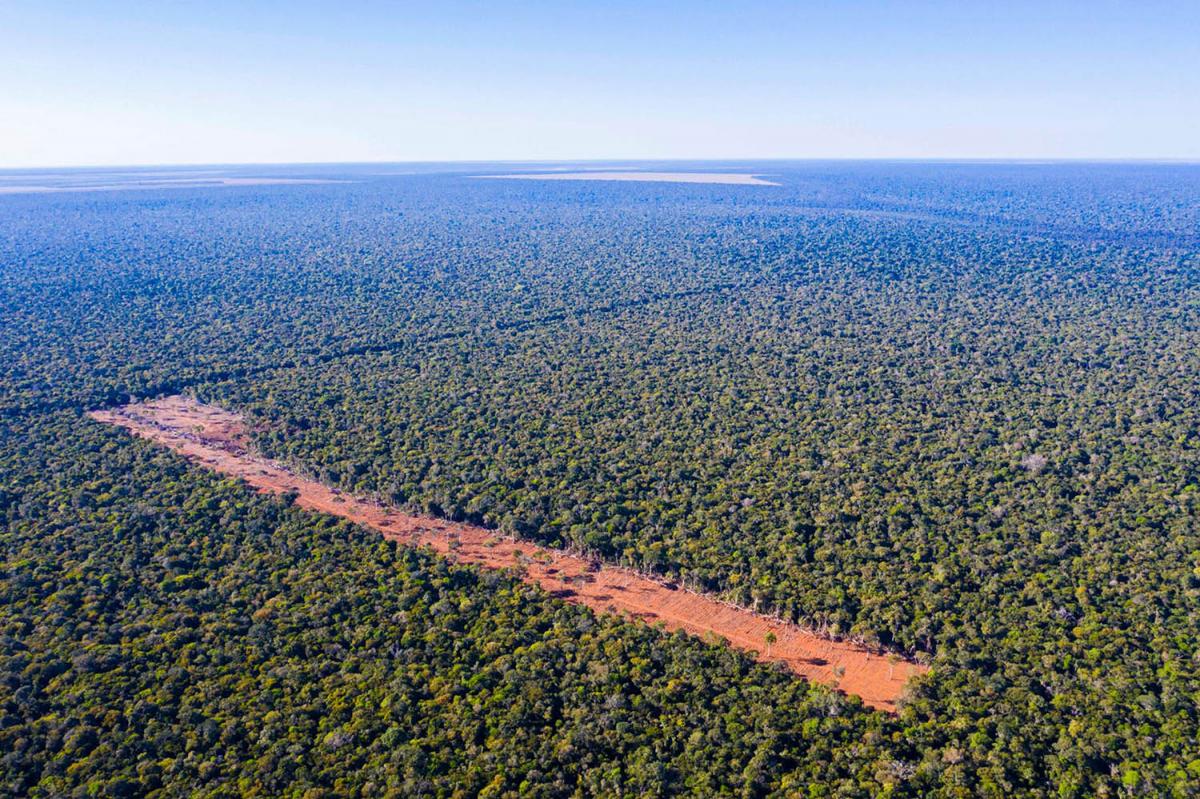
<point>139,84</point>
<point>632,163</point>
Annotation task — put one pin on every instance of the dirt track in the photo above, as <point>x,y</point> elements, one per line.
<point>217,439</point>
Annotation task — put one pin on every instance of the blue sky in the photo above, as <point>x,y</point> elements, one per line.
<point>220,82</point>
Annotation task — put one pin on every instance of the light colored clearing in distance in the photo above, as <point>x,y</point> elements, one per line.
<point>188,183</point>
<point>731,178</point>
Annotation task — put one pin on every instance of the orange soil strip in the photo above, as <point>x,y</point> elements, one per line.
<point>218,439</point>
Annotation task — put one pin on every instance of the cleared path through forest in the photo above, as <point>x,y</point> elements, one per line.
<point>218,439</point>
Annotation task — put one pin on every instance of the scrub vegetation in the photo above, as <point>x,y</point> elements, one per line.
<point>946,409</point>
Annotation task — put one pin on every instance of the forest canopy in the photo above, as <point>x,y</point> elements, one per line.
<point>950,409</point>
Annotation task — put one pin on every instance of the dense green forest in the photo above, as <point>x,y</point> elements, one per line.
<point>164,630</point>
<point>948,409</point>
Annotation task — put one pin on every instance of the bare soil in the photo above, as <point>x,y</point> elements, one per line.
<point>217,439</point>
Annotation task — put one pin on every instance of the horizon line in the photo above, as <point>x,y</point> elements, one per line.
<point>1031,160</point>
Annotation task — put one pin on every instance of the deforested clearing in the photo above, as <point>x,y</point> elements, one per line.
<point>217,439</point>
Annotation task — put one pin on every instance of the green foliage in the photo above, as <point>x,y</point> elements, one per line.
<point>166,632</point>
<point>952,409</point>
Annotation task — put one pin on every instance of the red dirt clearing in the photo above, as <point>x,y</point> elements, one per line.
<point>217,439</point>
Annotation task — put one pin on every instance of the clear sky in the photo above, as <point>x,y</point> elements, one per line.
<point>172,81</point>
